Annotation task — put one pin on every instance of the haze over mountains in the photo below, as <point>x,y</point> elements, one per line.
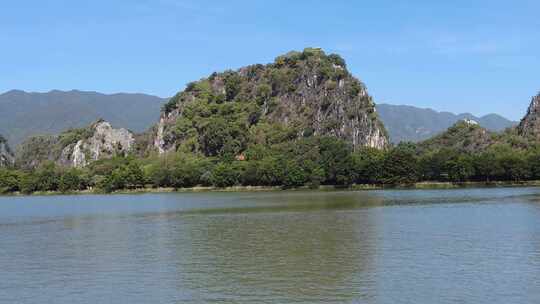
<point>24,114</point>
<point>408,123</point>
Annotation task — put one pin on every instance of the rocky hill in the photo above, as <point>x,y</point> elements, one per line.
<point>408,123</point>
<point>306,93</point>
<point>530,124</point>
<point>469,137</point>
<point>24,114</point>
<point>76,147</point>
<point>465,136</point>
<point>6,155</point>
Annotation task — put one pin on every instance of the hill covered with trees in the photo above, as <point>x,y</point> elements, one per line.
<point>302,94</point>
<point>75,147</point>
<point>408,123</point>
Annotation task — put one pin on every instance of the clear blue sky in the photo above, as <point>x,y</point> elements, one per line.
<point>461,55</point>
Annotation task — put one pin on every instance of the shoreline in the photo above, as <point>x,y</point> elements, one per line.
<point>355,187</point>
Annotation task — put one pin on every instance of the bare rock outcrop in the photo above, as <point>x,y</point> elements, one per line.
<point>530,124</point>
<point>308,92</point>
<point>6,155</point>
<point>105,142</point>
<point>76,147</point>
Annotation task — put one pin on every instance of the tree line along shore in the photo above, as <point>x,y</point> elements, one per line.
<point>309,163</point>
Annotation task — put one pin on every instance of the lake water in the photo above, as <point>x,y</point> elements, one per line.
<point>411,246</point>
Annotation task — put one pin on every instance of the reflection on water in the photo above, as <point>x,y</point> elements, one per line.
<point>312,257</point>
<point>445,246</point>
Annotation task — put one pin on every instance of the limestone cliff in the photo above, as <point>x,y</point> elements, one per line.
<point>6,156</point>
<point>105,142</point>
<point>309,93</point>
<point>76,147</point>
<point>530,124</point>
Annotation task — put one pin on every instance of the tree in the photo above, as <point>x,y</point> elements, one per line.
<point>47,177</point>
<point>9,181</point>
<point>432,164</point>
<point>336,161</point>
<point>29,183</point>
<point>400,165</point>
<point>294,175</point>
<point>158,175</point>
<point>533,161</point>
<point>514,166</point>
<point>486,167</point>
<point>460,169</point>
<point>219,137</point>
<point>71,180</point>
<point>132,175</point>
<point>225,175</point>
<point>367,165</point>
<point>233,83</point>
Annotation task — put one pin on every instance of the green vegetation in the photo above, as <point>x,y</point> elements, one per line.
<point>46,148</point>
<point>25,114</point>
<point>409,123</point>
<point>288,124</point>
<point>277,160</point>
<point>306,92</point>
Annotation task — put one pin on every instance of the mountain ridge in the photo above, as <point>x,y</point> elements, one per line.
<point>25,114</point>
<point>399,129</point>
<point>410,123</point>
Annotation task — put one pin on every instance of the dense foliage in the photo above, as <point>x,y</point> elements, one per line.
<point>308,92</point>
<point>38,150</point>
<point>277,161</point>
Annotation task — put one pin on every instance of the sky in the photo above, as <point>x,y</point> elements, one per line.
<point>460,56</point>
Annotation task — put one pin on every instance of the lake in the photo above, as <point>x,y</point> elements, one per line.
<point>391,246</point>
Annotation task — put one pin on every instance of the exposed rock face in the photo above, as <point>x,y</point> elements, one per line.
<point>105,142</point>
<point>309,92</point>
<point>6,156</point>
<point>470,122</point>
<point>530,124</point>
<point>159,141</point>
<point>36,150</point>
<point>76,147</point>
<point>25,114</point>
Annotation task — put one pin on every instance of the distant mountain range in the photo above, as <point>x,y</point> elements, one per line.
<point>408,123</point>
<point>24,114</point>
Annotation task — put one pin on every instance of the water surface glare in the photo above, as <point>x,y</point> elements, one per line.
<point>392,246</point>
